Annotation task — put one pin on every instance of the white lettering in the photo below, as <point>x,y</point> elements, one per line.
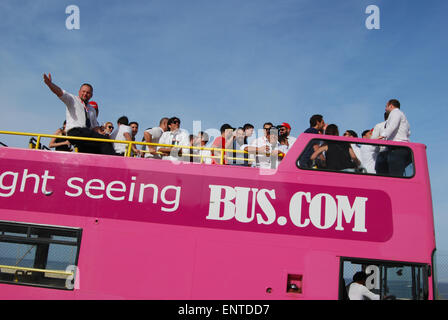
<point>89,186</point>
<point>142,192</point>
<point>266,206</point>
<point>12,187</point>
<point>358,210</point>
<point>216,200</point>
<point>110,188</point>
<point>241,204</point>
<point>175,201</point>
<point>316,211</point>
<point>25,178</point>
<point>69,184</point>
<point>295,209</point>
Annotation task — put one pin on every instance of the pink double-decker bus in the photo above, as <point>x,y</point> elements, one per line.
<point>85,226</point>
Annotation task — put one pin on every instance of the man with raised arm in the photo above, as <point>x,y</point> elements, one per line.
<point>81,122</point>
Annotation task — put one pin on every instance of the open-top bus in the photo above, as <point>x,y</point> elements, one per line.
<point>86,226</point>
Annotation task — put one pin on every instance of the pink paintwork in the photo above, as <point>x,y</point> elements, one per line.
<point>157,230</point>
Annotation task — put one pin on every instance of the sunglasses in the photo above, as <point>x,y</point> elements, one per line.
<point>110,127</point>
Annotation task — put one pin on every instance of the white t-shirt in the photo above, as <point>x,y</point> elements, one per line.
<point>179,138</point>
<point>368,157</point>
<point>285,148</point>
<point>261,160</point>
<point>75,114</point>
<point>357,291</point>
<point>156,134</point>
<point>118,134</point>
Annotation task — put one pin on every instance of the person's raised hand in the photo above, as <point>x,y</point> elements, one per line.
<point>47,79</point>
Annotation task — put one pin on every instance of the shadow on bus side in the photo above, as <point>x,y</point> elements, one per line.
<point>358,158</point>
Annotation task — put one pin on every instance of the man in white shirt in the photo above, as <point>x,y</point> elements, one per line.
<point>266,150</point>
<point>357,290</point>
<point>286,141</point>
<point>176,137</point>
<point>368,153</point>
<point>80,121</point>
<point>397,129</point>
<point>153,135</point>
<point>122,132</point>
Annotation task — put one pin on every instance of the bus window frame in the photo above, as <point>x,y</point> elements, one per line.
<point>357,173</point>
<point>427,269</point>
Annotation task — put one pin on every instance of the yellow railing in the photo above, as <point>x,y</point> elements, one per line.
<point>58,272</point>
<point>221,158</point>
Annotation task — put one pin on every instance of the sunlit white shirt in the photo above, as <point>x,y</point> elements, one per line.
<point>357,291</point>
<point>397,126</point>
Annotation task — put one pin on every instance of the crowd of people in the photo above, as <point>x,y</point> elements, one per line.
<point>265,151</point>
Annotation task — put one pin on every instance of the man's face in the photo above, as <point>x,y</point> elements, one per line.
<point>321,125</point>
<point>228,133</point>
<point>272,136</point>
<point>164,125</point>
<point>283,131</point>
<point>174,125</point>
<point>249,132</point>
<point>239,135</point>
<point>85,93</point>
<point>389,108</point>
<point>266,128</point>
<point>134,128</point>
<point>368,135</point>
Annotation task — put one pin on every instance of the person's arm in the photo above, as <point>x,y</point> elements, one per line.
<point>369,294</point>
<point>54,144</point>
<point>318,152</point>
<point>392,124</point>
<point>54,88</point>
<point>354,157</point>
<point>148,138</point>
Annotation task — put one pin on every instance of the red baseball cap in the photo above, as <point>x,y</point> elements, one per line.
<point>93,104</point>
<point>284,124</point>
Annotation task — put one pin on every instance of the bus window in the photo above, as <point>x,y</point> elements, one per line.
<point>389,280</point>
<point>338,156</point>
<point>38,255</point>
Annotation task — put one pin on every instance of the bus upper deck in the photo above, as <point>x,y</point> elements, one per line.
<point>119,227</point>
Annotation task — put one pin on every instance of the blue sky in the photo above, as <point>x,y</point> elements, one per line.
<point>233,61</point>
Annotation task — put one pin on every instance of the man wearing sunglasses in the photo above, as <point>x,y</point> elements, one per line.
<point>284,138</point>
<point>174,137</point>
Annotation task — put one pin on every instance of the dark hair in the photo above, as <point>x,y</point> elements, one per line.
<point>269,123</point>
<point>352,133</point>
<point>133,122</point>
<point>248,126</point>
<point>86,84</point>
<point>204,136</point>
<point>365,132</point>
<point>226,126</point>
<point>360,276</point>
<point>315,119</point>
<point>172,119</point>
<point>123,120</point>
<point>394,102</point>
<point>332,130</point>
